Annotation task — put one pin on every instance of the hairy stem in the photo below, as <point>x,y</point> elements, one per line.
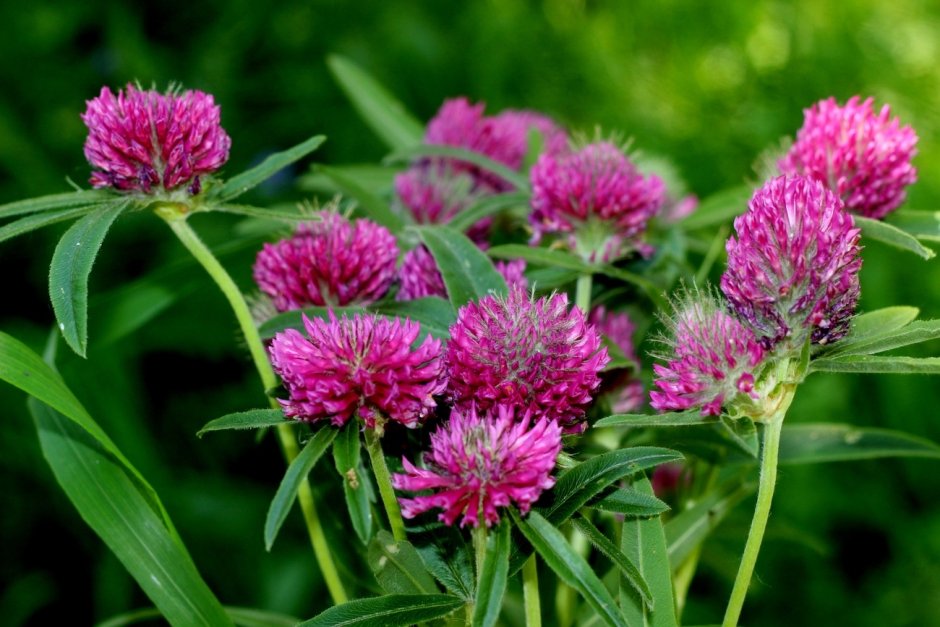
<point>384,480</point>
<point>176,219</point>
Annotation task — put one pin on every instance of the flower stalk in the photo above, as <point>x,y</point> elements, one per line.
<point>384,481</point>
<point>530,592</point>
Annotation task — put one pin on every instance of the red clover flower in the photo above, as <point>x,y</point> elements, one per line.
<point>328,262</point>
<point>864,157</point>
<point>364,365</point>
<point>531,355</point>
<point>712,361</point>
<point>793,268</point>
<point>148,142</point>
<point>479,462</point>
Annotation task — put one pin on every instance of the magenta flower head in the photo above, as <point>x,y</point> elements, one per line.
<point>713,359</point>
<point>433,193</point>
<point>532,355</point>
<point>597,196</point>
<point>479,462</point>
<point>793,268</point>
<point>328,262</point>
<point>148,142</point>
<point>362,366</point>
<point>863,156</point>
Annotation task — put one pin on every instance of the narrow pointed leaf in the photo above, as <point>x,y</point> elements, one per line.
<point>516,179</point>
<point>293,319</point>
<point>241,183</point>
<point>377,179</point>
<point>392,610</point>
<point>877,364</point>
<point>492,586</point>
<point>374,207</point>
<point>296,473</point>
<point>892,236</point>
<point>487,206</point>
<point>467,272</point>
<point>37,221</point>
<point>580,484</point>
<point>384,114</point>
<point>541,257</point>
<point>66,200</point>
<point>922,224</point>
<point>671,419</point>
<point>241,616</point>
<point>690,528</point>
<point>251,419</point>
<point>628,569</point>
<point>111,503</point>
<point>881,321</point>
<point>827,442</point>
<point>291,217</point>
<point>398,567</point>
<point>570,567</point>
<point>630,503</point>
<point>643,542</point>
<point>347,449</point>
<point>70,268</point>
<point>913,333</point>
<point>448,557</point>
<point>357,491</point>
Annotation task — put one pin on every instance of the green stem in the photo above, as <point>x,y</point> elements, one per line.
<point>765,493</point>
<point>384,480</point>
<point>479,546</point>
<point>177,222</point>
<point>530,593</point>
<point>583,292</point>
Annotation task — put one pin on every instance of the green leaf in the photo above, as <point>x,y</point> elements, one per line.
<point>357,492</point>
<point>493,576</point>
<point>448,557</point>
<point>290,217</point>
<point>650,289</point>
<point>467,272</point>
<point>33,222</point>
<point>630,503</point>
<point>643,542</point>
<point>251,419</point>
<point>690,528</point>
<point>347,449</point>
<point>435,315</point>
<point>398,567</point>
<point>371,205</point>
<point>296,473</point>
<point>922,224</point>
<point>71,265</point>
<point>241,183</point>
<point>377,179</point>
<point>421,151</point>
<point>67,200</point>
<point>293,319</point>
<point>627,569</point>
<point>580,484</point>
<point>719,207</point>
<point>111,503</point>
<point>880,321</point>
<point>389,611</point>
<point>250,617</point>
<point>877,364</point>
<point>385,115</point>
<point>913,333</point>
<point>671,419</point>
<point>826,442</point>
<point>892,236</point>
<point>542,257</point>
<point>741,432</point>
<point>487,206</point>
<point>568,564</point>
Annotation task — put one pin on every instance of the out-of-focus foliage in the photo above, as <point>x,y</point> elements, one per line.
<point>708,85</point>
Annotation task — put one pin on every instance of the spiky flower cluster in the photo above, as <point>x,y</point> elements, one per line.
<point>793,267</point>
<point>148,142</point>
<point>363,366</point>
<point>331,261</point>
<point>625,391</point>
<point>532,355</point>
<point>420,276</point>
<point>864,157</point>
<point>595,194</point>
<point>713,358</point>
<point>481,461</point>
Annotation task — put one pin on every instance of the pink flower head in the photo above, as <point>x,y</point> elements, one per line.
<point>329,262</point>
<point>597,195</point>
<point>862,156</point>
<point>149,142</point>
<point>481,461</point>
<point>625,392</point>
<point>365,365</point>
<point>433,194</point>
<point>420,276</point>
<point>712,362</point>
<point>531,355</point>
<point>793,268</point>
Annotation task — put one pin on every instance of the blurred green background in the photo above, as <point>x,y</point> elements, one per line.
<point>709,85</point>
